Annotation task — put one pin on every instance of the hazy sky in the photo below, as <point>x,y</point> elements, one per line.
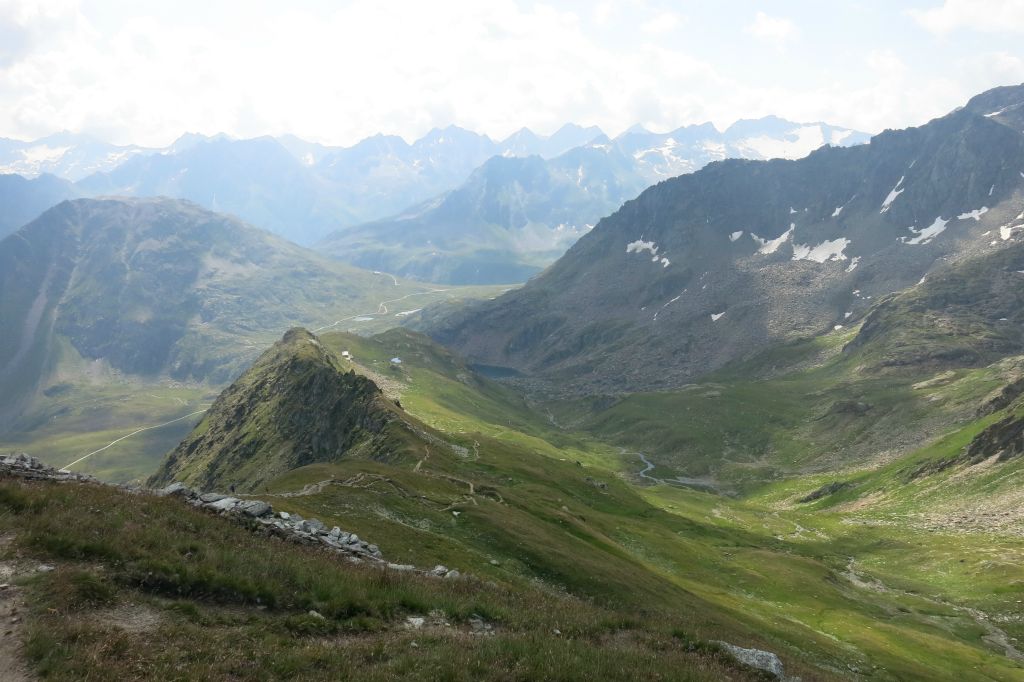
<point>137,71</point>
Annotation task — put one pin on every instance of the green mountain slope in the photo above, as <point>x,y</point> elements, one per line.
<point>500,492</point>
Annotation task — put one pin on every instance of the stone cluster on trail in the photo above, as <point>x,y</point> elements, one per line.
<point>22,465</point>
<point>282,524</point>
<point>296,528</point>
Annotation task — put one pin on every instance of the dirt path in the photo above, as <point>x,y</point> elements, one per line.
<point>137,431</point>
<point>12,665</point>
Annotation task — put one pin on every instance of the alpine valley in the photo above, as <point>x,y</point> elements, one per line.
<point>702,405</point>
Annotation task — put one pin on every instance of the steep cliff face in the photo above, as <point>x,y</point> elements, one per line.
<point>295,406</point>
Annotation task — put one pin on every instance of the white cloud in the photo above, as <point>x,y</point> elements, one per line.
<point>366,67</point>
<point>662,23</point>
<point>775,30</point>
<point>363,67</point>
<point>980,15</point>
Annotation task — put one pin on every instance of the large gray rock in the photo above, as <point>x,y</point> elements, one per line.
<point>254,508</point>
<point>211,497</point>
<point>177,488</point>
<point>224,504</point>
<point>755,658</point>
<point>312,526</point>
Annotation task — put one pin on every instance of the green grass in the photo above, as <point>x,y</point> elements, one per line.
<point>209,615</point>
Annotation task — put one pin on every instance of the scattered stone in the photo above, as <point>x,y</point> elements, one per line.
<point>284,515</point>
<point>495,562</point>
<point>402,567</point>
<point>45,568</point>
<point>317,614</point>
<point>415,622</point>
<point>211,497</point>
<point>439,570</point>
<point>452,574</point>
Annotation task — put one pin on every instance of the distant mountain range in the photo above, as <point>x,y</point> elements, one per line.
<point>304,191</point>
<point>515,216</point>
<point>709,267</point>
<point>71,156</point>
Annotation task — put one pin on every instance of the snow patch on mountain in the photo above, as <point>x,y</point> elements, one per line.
<point>975,214</point>
<point>929,233</point>
<point>853,264</point>
<point>825,251</point>
<point>639,246</point>
<point>735,235</point>
<point>795,144</point>
<point>895,192</point>
<point>768,246</point>
<point>715,317</point>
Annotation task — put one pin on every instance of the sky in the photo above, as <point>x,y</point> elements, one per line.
<point>336,72</point>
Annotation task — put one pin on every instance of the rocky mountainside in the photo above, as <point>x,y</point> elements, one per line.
<point>295,406</point>
<point>22,199</point>
<point>158,287</point>
<point>967,314</point>
<point>515,216</point>
<point>709,267</point>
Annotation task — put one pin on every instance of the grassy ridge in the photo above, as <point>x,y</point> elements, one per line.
<point>152,589</point>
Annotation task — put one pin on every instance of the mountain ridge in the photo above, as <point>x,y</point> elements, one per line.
<point>814,239</point>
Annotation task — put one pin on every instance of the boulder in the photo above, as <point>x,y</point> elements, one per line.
<point>312,526</point>
<point>223,504</point>
<point>176,488</point>
<point>755,658</point>
<point>211,497</point>
<point>254,508</point>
